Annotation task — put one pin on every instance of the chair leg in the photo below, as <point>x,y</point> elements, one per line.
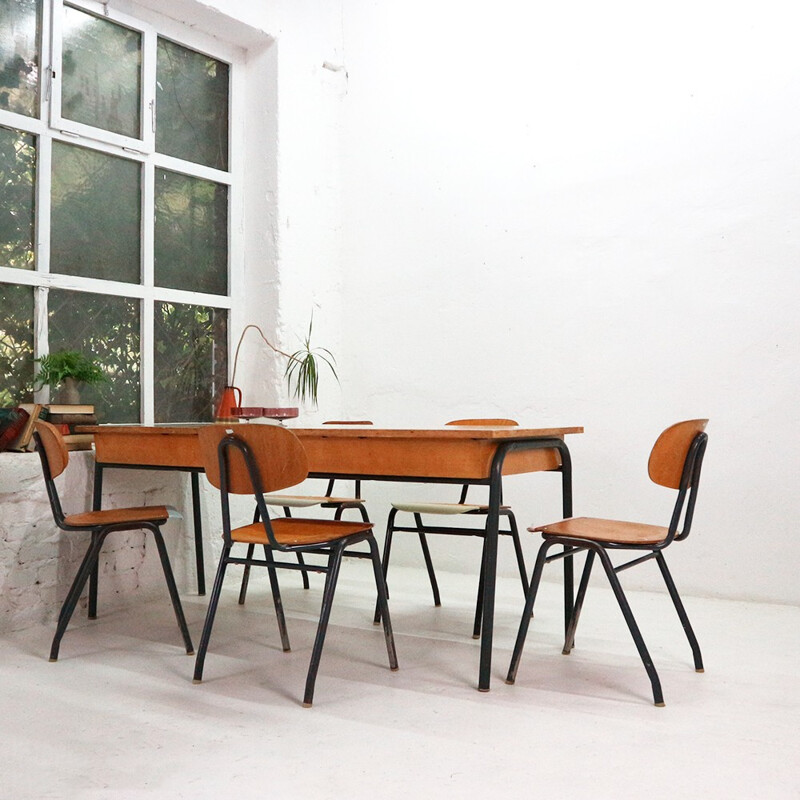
<point>514,530</point>
<point>658,697</point>
<point>276,599</point>
<point>212,610</point>
<point>476,625</point>
<point>437,601</point>
<point>334,563</point>
<point>71,600</point>
<point>569,638</point>
<point>687,627</point>
<point>387,551</point>
<point>533,588</point>
<point>251,549</point>
<point>173,589</point>
<point>383,602</point>
<point>288,514</point>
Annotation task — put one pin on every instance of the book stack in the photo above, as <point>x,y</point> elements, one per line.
<point>68,418</point>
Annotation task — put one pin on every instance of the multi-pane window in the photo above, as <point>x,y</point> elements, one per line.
<point>115,196</point>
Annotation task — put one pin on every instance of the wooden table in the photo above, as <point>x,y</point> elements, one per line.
<point>448,454</point>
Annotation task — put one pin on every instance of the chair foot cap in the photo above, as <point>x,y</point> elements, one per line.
<point>92,616</point>
<point>662,704</point>
<point>565,652</point>
<point>53,659</point>
<point>483,690</point>
<point>197,680</point>
<point>509,681</point>
<point>394,669</point>
<point>476,636</point>
<point>700,670</point>
<point>306,705</point>
<point>190,652</point>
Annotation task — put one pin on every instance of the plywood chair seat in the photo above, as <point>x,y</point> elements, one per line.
<point>119,516</point>
<point>675,463</point>
<point>294,531</point>
<point>605,530</point>
<point>99,524</point>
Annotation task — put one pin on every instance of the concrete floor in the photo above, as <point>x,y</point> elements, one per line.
<point>118,716</point>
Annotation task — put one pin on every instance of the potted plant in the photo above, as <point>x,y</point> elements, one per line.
<point>67,369</point>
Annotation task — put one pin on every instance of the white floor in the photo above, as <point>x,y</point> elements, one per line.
<point>118,715</point>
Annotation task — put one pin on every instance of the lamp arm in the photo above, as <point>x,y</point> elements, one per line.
<point>268,343</point>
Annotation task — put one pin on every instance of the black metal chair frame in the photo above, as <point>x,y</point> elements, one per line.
<point>422,530</point>
<point>334,550</point>
<point>91,558</point>
<point>684,509</point>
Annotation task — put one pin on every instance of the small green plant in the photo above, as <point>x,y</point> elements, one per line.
<point>56,367</point>
<point>302,371</point>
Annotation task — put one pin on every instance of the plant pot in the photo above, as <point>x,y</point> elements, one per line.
<point>69,392</point>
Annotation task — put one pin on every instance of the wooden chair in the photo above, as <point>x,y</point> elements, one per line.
<point>263,458</point>
<point>675,462</point>
<point>99,524</point>
<point>287,502</point>
<point>449,509</point>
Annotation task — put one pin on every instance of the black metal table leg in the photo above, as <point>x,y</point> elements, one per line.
<point>97,497</point>
<point>198,535</point>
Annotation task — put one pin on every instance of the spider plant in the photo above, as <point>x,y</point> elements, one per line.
<point>302,371</point>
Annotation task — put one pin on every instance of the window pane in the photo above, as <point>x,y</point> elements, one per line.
<point>17,172</point>
<point>108,329</point>
<point>19,56</point>
<point>192,106</point>
<point>16,344</point>
<point>101,70</point>
<point>96,216</point>
<point>191,234</point>
<point>191,362</point>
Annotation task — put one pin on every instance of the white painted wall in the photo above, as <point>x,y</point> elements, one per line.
<point>586,213</point>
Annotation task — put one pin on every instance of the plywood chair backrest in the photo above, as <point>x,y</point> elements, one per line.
<point>277,452</point>
<point>485,422</point>
<point>668,455</point>
<point>55,450</point>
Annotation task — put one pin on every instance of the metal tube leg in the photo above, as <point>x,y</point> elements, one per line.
<point>173,589</point>
<point>251,548</point>
<point>198,535</point>
<point>71,600</point>
<point>476,625</point>
<point>212,610</point>
<point>305,574</point>
<point>658,697</point>
<point>687,626</point>
<point>334,562</point>
<point>387,552</point>
<point>97,500</point>
<point>569,639</point>
<point>426,553</point>
<point>518,550</point>
<point>383,602</point>
<point>533,588</point>
<point>276,599</point>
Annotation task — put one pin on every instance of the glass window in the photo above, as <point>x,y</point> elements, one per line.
<point>16,344</point>
<point>17,175</point>
<point>96,214</point>
<point>191,106</point>
<point>108,245</point>
<point>107,328</point>
<point>19,56</point>
<point>190,361</point>
<point>101,80</point>
<point>191,233</point>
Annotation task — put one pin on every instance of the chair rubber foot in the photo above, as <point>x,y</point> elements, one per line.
<point>509,682</point>
<point>306,705</point>
<point>197,680</point>
<point>565,652</point>
<point>190,652</point>
<point>53,659</point>
<point>394,669</point>
<point>662,704</point>
<point>483,690</point>
<point>476,636</point>
<point>92,616</point>
<point>700,670</point>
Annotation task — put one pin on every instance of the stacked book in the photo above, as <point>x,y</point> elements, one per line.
<point>16,427</point>
<point>68,418</point>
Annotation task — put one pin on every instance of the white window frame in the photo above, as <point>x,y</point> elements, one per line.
<point>46,132</point>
